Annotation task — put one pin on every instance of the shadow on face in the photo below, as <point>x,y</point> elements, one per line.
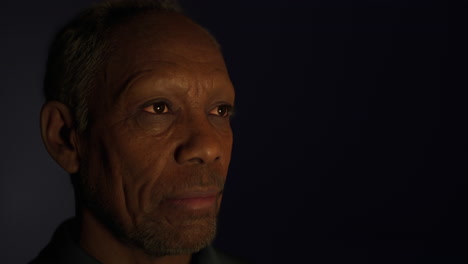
<point>160,137</point>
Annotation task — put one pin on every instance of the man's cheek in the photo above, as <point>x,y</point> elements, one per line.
<point>143,181</point>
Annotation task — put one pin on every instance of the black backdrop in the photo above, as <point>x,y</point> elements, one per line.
<point>350,131</point>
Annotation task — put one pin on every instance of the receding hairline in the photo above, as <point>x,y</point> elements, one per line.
<point>150,20</point>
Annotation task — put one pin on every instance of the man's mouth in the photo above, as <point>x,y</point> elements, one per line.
<point>195,199</point>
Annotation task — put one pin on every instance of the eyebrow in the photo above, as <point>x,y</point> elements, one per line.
<point>138,74</point>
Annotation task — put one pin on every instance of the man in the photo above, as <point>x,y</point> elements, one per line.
<point>138,112</point>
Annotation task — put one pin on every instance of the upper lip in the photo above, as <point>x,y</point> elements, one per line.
<point>196,193</point>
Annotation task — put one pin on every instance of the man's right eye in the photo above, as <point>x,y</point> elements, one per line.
<point>157,108</point>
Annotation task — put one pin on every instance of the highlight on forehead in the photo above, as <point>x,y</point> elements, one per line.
<point>159,37</point>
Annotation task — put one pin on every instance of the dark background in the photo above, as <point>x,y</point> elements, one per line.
<point>350,131</point>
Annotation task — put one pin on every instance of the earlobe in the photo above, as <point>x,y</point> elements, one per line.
<point>59,135</point>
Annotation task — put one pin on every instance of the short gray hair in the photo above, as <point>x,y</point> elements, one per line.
<point>80,47</point>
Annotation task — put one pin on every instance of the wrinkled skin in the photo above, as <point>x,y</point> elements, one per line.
<point>160,130</point>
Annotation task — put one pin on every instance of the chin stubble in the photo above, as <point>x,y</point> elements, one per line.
<point>153,234</point>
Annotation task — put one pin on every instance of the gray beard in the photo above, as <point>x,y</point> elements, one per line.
<point>150,234</point>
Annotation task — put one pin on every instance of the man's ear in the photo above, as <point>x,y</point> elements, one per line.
<point>60,136</point>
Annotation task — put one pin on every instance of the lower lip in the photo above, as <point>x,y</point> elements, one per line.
<point>195,203</point>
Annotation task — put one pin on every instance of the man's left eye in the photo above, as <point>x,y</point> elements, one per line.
<point>222,110</point>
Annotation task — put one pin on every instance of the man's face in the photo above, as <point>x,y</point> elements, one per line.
<point>160,138</point>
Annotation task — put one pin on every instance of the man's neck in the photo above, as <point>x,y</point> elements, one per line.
<point>97,240</point>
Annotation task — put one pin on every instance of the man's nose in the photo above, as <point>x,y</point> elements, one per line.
<point>202,145</point>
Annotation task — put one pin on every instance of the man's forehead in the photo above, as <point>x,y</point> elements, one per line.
<point>160,30</point>
<point>167,45</point>
<point>168,37</point>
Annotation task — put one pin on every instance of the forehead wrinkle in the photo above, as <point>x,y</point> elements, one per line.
<point>135,76</point>
<point>127,84</point>
<point>201,84</point>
